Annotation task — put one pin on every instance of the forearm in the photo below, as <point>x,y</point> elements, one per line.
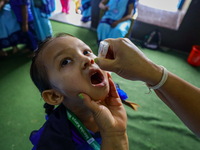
<point>102,4</point>
<point>127,17</point>
<point>2,4</point>
<point>24,14</point>
<point>184,100</point>
<point>115,142</point>
<point>182,97</point>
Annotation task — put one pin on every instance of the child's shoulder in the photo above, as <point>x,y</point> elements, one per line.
<point>55,133</point>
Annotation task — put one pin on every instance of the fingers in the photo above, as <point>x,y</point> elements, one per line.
<point>109,76</point>
<point>115,50</point>
<point>113,91</point>
<point>105,64</point>
<point>125,59</point>
<point>113,98</point>
<point>92,105</point>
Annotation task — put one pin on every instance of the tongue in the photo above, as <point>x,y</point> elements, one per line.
<point>96,78</point>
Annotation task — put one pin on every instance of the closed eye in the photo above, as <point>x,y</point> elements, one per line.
<point>65,61</point>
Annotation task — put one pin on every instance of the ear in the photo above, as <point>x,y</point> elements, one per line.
<point>52,97</point>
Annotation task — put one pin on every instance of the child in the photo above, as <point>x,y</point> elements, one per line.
<point>10,32</point>
<point>23,13</point>
<point>41,12</point>
<point>117,18</point>
<point>86,6</point>
<point>62,68</point>
<point>65,6</point>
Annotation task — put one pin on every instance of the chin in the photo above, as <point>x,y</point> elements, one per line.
<point>101,95</point>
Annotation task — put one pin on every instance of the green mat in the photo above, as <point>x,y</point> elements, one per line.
<point>153,127</point>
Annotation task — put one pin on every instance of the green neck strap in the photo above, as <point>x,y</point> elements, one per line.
<point>84,132</point>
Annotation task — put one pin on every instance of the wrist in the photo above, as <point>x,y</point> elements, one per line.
<point>118,141</point>
<point>154,74</point>
<point>162,81</point>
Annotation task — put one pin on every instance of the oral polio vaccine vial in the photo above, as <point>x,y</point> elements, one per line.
<point>103,49</point>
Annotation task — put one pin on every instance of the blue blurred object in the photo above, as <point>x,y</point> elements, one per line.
<point>121,93</point>
<point>180,4</point>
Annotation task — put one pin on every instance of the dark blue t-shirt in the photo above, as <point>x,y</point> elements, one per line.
<point>59,133</point>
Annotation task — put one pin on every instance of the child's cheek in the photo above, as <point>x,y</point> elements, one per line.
<point>102,94</point>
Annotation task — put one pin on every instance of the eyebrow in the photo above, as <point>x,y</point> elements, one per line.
<point>58,54</point>
<point>62,51</point>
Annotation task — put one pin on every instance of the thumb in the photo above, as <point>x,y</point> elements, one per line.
<point>91,104</point>
<point>105,64</point>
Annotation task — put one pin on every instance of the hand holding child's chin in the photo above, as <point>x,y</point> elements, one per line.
<point>110,114</point>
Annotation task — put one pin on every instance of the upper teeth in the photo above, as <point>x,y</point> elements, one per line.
<point>93,73</point>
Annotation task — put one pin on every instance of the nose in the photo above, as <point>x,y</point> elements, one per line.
<point>87,61</point>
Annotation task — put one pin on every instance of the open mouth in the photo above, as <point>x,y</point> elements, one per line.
<point>96,77</point>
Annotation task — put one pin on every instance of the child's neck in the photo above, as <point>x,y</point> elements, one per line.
<point>87,119</point>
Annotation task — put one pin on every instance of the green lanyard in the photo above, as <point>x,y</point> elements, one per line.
<point>82,129</point>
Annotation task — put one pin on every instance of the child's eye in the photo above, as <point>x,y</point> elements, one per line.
<point>65,62</point>
<point>86,52</point>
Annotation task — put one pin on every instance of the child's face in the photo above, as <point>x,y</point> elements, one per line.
<point>71,69</point>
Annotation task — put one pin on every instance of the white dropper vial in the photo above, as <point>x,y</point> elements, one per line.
<point>103,49</point>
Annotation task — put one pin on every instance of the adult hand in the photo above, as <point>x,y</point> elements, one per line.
<point>111,118</point>
<point>125,59</point>
<point>107,8</point>
<point>114,24</point>
<point>128,61</point>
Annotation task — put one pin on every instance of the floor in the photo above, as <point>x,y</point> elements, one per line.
<point>157,12</point>
<point>71,18</point>
<point>153,127</point>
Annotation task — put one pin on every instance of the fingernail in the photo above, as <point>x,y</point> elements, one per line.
<point>81,96</point>
<point>95,60</point>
